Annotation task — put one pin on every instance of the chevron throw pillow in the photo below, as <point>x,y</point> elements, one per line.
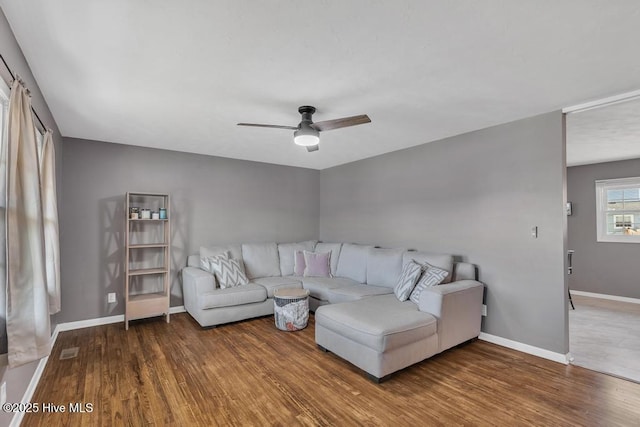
<point>407,281</point>
<point>227,271</point>
<point>432,276</point>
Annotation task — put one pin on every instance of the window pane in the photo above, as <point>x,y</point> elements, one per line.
<point>618,213</point>
<point>615,195</point>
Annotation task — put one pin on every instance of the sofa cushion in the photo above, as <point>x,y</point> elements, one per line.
<point>384,266</point>
<point>407,281</point>
<point>298,263</point>
<point>381,323</point>
<point>234,250</point>
<point>286,253</point>
<point>319,287</point>
<point>227,271</point>
<point>317,264</point>
<point>352,263</point>
<point>261,260</point>
<point>432,276</point>
<point>355,292</point>
<point>238,295</point>
<point>273,283</point>
<point>442,261</point>
<point>334,248</point>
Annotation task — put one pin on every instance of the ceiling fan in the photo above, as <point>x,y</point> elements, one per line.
<point>307,133</point>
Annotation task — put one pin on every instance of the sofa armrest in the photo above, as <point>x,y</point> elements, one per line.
<point>458,308</point>
<point>195,282</point>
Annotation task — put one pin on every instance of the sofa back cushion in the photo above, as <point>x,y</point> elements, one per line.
<point>193,261</point>
<point>464,271</point>
<point>286,252</point>
<point>352,262</point>
<point>261,259</point>
<point>384,266</point>
<point>334,248</point>
<point>442,261</point>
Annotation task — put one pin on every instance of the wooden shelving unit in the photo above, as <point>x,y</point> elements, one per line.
<point>147,259</point>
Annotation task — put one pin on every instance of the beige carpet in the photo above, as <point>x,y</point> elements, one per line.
<point>605,336</point>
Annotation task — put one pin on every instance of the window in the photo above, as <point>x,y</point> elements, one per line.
<point>618,210</point>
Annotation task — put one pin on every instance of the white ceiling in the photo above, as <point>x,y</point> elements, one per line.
<point>180,75</point>
<point>604,134</point>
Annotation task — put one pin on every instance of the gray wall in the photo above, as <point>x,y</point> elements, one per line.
<point>18,379</point>
<point>475,196</point>
<point>213,201</point>
<point>600,267</point>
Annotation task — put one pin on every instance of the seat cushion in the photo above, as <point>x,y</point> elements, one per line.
<point>381,323</point>
<point>319,287</point>
<point>352,263</point>
<point>273,283</point>
<point>228,297</point>
<point>384,266</point>
<point>443,261</point>
<point>261,259</point>
<point>356,292</point>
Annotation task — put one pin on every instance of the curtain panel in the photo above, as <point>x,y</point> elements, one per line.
<point>50,221</point>
<point>28,327</point>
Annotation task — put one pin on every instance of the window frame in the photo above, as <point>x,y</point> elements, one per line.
<point>602,186</point>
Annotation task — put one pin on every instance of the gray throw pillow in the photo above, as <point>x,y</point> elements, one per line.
<point>432,276</point>
<point>407,281</point>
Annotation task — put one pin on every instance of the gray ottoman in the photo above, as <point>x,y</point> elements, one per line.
<point>378,334</point>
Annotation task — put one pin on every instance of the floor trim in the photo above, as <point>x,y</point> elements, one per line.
<point>526,348</point>
<point>605,296</point>
<point>31,388</point>
<point>68,326</point>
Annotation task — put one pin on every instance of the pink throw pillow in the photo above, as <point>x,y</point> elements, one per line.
<point>317,264</point>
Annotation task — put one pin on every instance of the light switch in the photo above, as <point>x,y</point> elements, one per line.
<point>534,232</point>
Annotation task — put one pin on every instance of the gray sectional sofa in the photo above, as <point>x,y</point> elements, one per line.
<point>357,315</point>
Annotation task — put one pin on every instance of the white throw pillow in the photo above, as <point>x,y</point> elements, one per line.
<point>432,276</point>
<point>407,281</point>
<point>227,271</point>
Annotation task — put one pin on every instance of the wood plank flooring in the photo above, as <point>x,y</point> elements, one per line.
<point>250,373</point>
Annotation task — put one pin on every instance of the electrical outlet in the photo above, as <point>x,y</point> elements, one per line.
<point>111,297</point>
<point>3,393</point>
<point>484,309</point>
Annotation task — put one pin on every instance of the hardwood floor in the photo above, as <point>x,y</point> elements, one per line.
<point>250,373</point>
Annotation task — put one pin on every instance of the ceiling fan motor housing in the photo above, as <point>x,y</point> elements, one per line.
<point>306,135</point>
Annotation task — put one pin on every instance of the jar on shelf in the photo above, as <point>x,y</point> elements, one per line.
<point>145,213</point>
<point>134,212</point>
<point>163,213</point>
<point>155,215</point>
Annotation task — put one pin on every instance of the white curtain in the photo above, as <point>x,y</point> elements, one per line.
<point>28,328</point>
<point>50,220</point>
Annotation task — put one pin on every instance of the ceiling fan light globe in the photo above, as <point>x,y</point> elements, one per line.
<point>306,138</point>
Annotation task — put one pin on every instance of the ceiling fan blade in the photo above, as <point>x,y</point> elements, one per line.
<point>269,126</point>
<point>341,123</point>
<point>311,148</point>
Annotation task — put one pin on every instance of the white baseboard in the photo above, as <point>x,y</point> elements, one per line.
<point>31,388</point>
<point>605,296</point>
<point>71,326</point>
<point>526,348</point>
<point>68,326</point>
